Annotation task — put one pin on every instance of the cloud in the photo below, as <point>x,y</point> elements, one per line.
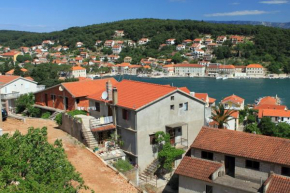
<point>239,13</point>
<point>274,2</point>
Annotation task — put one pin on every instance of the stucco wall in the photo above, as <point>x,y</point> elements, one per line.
<point>155,118</point>
<point>22,86</point>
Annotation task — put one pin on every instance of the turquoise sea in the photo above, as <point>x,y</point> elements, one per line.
<point>249,89</point>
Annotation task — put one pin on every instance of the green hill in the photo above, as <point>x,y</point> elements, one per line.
<point>272,43</point>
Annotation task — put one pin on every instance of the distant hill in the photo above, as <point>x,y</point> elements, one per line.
<point>268,24</point>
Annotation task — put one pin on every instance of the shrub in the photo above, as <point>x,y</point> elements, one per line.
<point>123,165</point>
<point>58,119</point>
<point>77,112</point>
<point>23,102</point>
<point>46,115</point>
<point>33,112</point>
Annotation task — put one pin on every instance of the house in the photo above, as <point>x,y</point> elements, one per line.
<point>143,41</point>
<point>98,42</point>
<point>11,72</point>
<point>79,59</point>
<point>212,46</point>
<point>255,70</point>
<point>119,33</point>
<point>109,43</point>
<point>11,54</point>
<point>180,47</point>
<point>208,41</point>
<point>170,41</point>
<point>69,95</point>
<point>209,102</point>
<point>78,71</point>
<point>47,42</point>
<point>221,160</point>
<point>186,42</point>
<point>189,70</point>
<point>198,53</point>
<point>233,102</point>
<point>141,109</point>
<point>14,86</point>
<point>169,69</point>
<point>133,69</point>
<point>128,59</point>
<point>25,50</point>
<point>121,68</point>
<point>116,49</point>
<point>276,115</point>
<point>237,39</point>
<point>79,44</point>
<point>113,58</point>
<point>221,39</point>
<point>195,46</point>
<point>228,70</point>
<point>84,54</point>
<point>197,41</point>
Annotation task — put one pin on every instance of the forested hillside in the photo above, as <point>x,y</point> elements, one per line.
<point>274,43</point>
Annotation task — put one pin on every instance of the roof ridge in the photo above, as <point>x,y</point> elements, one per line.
<point>205,160</point>
<point>249,134</point>
<point>161,85</point>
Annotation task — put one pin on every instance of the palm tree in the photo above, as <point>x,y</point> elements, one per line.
<point>221,115</point>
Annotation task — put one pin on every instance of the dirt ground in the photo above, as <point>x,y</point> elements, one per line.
<point>95,173</point>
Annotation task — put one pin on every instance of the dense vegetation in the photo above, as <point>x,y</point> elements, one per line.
<point>28,163</point>
<point>270,44</point>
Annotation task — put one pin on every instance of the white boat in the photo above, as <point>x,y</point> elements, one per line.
<point>218,77</point>
<point>224,78</point>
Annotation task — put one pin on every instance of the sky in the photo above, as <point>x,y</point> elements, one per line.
<point>54,15</point>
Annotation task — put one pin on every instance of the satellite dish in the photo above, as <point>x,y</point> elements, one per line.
<point>104,95</point>
<point>60,88</point>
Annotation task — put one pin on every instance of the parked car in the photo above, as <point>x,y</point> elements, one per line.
<point>4,114</point>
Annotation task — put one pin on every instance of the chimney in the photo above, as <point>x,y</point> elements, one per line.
<point>109,90</point>
<point>115,96</point>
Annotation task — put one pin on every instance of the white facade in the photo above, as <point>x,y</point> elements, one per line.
<point>255,71</point>
<point>79,73</point>
<point>190,71</point>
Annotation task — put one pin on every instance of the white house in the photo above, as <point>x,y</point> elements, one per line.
<point>198,53</point>
<point>117,49</point>
<point>189,70</point>
<point>14,86</point>
<point>180,47</point>
<point>170,41</point>
<point>143,41</point>
<point>78,71</point>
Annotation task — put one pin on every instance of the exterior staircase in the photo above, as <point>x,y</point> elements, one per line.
<point>87,133</point>
<point>52,117</point>
<point>147,176</point>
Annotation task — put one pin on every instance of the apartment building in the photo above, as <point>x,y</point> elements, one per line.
<point>189,70</point>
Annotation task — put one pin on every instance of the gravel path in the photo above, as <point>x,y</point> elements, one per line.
<point>95,173</point>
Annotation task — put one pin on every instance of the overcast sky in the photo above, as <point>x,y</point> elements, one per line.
<point>52,15</point>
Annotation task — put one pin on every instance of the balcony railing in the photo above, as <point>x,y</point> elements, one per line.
<point>13,95</point>
<point>96,122</point>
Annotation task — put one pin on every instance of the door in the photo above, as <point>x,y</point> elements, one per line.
<point>110,113</point>
<point>230,165</point>
<point>46,100</point>
<point>171,132</point>
<point>66,103</point>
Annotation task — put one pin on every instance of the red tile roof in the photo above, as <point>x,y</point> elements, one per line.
<point>234,99</point>
<point>274,113</point>
<point>11,72</point>
<point>211,100</point>
<point>77,68</point>
<point>197,168</point>
<point>104,128</point>
<point>6,79</point>
<point>226,67</point>
<point>241,144</point>
<point>12,53</point>
<point>278,184</point>
<point>201,96</point>
<point>134,94</point>
<point>268,100</point>
<point>266,106</point>
<point>190,65</point>
<point>87,87</point>
<point>255,66</point>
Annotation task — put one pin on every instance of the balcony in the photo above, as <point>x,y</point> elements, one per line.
<point>13,95</point>
<point>102,121</point>
<point>181,144</point>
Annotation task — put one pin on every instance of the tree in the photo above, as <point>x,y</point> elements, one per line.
<point>266,126</point>
<point>24,101</point>
<point>253,128</point>
<point>167,153</point>
<point>18,71</point>
<point>30,164</point>
<point>221,115</point>
<point>282,130</point>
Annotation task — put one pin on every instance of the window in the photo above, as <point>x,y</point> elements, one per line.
<point>52,97</point>
<point>171,107</point>
<point>180,105</point>
<point>185,106</point>
<point>252,165</point>
<point>172,98</point>
<point>152,139</point>
<point>285,171</point>
<point>208,189</point>
<point>125,114</point>
<point>97,105</point>
<point>207,155</point>
<point>77,101</point>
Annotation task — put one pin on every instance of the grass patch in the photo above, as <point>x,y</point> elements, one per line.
<point>123,165</point>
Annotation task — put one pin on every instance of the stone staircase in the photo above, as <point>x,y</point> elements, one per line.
<point>147,176</point>
<point>52,117</point>
<point>87,133</point>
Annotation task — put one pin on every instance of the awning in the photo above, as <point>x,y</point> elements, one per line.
<point>104,128</point>
<point>174,125</point>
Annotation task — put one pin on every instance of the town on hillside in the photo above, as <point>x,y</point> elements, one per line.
<point>221,57</point>
<point>161,136</point>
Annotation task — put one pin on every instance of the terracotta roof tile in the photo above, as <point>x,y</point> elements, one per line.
<point>241,144</point>
<point>278,184</point>
<point>274,113</point>
<point>233,98</point>
<point>87,87</point>
<point>268,100</point>
<point>197,168</point>
<point>266,106</point>
<point>190,65</point>
<point>77,68</point>
<point>201,96</point>
<point>255,66</point>
<point>212,100</point>
<point>104,128</point>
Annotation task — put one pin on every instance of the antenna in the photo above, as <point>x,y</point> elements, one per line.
<point>60,88</point>
<point>104,95</point>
